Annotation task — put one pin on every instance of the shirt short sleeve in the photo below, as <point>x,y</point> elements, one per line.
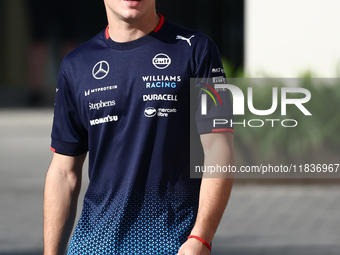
<point>217,114</point>
<point>69,136</point>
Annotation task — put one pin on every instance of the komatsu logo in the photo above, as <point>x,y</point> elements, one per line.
<point>161,61</point>
<point>106,119</point>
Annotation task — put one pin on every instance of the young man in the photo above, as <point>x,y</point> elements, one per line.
<point>124,97</point>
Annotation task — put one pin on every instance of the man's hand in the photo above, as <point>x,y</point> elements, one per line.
<point>193,247</point>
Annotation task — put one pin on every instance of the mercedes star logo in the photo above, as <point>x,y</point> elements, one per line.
<point>100,70</point>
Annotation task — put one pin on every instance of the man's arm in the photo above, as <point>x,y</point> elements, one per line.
<point>214,192</point>
<point>62,187</point>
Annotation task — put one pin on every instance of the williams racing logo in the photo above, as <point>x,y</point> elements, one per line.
<point>161,81</point>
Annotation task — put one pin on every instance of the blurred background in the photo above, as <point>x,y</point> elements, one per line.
<point>38,34</point>
<point>262,38</point>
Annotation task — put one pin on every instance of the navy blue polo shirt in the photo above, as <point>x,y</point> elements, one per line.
<point>127,104</point>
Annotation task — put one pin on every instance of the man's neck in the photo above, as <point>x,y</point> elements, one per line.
<point>127,30</point>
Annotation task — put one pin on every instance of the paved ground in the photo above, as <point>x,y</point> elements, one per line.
<point>260,219</point>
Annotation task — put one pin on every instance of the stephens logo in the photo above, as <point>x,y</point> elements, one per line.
<point>101,104</point>
<point>150,112</point>
<point>161,61</point>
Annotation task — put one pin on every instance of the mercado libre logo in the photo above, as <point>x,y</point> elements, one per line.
<point>150,112</point>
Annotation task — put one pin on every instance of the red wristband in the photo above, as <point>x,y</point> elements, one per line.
<point>201,240</point>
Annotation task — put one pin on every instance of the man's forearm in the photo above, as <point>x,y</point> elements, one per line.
<point>214,193</point>
<point>60,204</point>
<point>215,190</point>
<point>214,197</point>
